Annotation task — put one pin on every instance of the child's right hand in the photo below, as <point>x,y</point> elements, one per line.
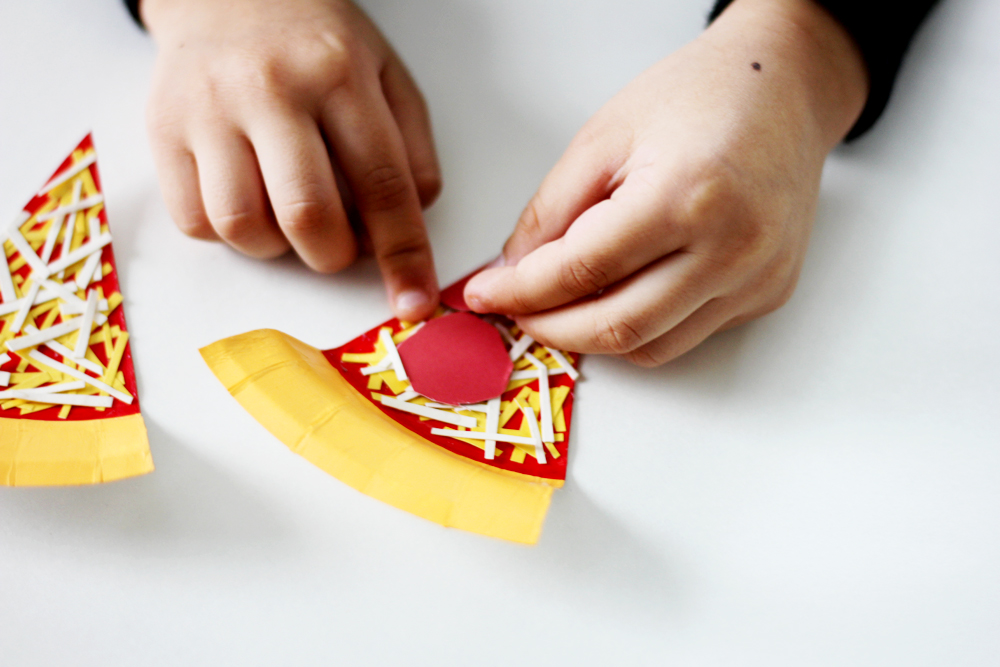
<point>256,104</point>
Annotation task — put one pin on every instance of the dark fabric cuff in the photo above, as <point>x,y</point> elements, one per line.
<point>883,31</point>
<point>133,9</point>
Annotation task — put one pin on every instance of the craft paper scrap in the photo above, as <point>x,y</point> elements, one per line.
<point>69,409</point>
<point>457,359</point>
<point>358,412</point>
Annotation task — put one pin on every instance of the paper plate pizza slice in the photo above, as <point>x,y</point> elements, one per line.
<point>69,409</point>
<point>462,420</point>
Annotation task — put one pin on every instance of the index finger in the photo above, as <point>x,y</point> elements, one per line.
<point>370,150</point>
<point>609,242</point>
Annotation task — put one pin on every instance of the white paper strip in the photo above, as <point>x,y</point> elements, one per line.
<point>545,398</point>
<point>98,270</point>
<point>536,438</point>
<point>57,225</point>
<point>6,282</point>
<point>479,435</point>
<point>83,337</point>
<point>529,374</point>
<point>43,297</point>
<point>407,395</point>
<point>379,367</point>
<point>95,225</point>
<point>4,378</point>
<point>87,274</point>
<point>81,252</point>
<point>67,353</point>
<point>492,426</point>
<point>77,168</point>
<point>393,354</point>
<point>77,308</point>
<point>66,293</point>
<point>520,347</point>
<point>56,388</point>
<point>68,237</point>
<point>564,363</point>
<point>476,407</point>
<point>72,372</point>
<point>39,269</point>
<point>13,306</point>
<point>59,399</point>
<point>39,337</point>
<point>50,240</point>
<point>4,358</point>
<point>75,207</point>
<point>430,413</point>
<point>19,220</point>
<point>505,333</point>
<point>26,304</point>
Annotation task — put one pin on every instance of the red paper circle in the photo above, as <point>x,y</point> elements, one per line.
<point>457,359</point>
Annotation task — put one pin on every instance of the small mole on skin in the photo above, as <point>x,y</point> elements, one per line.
<point>756,66</point>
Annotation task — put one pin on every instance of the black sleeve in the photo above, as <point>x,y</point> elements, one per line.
<point>133,9</point>
<point>883,30</point>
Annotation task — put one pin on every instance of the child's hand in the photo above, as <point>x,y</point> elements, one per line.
<point>684,206</point>
<point>257,104</point>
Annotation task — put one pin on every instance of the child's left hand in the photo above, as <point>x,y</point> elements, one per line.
<point>684,206</point>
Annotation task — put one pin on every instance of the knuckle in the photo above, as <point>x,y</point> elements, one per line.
<point>160,119</point>
<point>428,184</point>
<point>337,260</point>
<point>319,61</point>
<point>405,251</point>
<point>593,136</point>
<point>519,303</point>
<point>304,217</point>
<point>384,188</point>
<point>783,296</point>
<point>644,357</point>
<point>195,225</point>
<point>530,222</point>
<point>718,204</point>
<point>329,57</point>
<point>581,277</point>
<point>615,335</point>
<point>748,235</point>
<point>234,226</point>
<point>778,285</point>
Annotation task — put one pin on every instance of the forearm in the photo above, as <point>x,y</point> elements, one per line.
<point>882,35</point>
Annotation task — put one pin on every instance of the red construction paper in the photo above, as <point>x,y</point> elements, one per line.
<point>554,469</point>
<point>457,359</point>
<point>453,296</point>
<point>110,285</point>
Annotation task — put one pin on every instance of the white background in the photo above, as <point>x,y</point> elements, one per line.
<point>821,487</point>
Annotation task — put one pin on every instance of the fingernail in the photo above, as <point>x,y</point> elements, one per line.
<point>496,263</point>
<point>412,301</point>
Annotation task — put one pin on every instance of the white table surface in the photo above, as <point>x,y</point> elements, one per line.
<point>821,487</point>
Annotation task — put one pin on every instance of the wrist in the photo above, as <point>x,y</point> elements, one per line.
<point>163,18</point>
<point>812,56</point>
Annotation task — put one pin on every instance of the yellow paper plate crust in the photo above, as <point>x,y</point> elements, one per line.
<point>68,453</point>
<point>291,389</point>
